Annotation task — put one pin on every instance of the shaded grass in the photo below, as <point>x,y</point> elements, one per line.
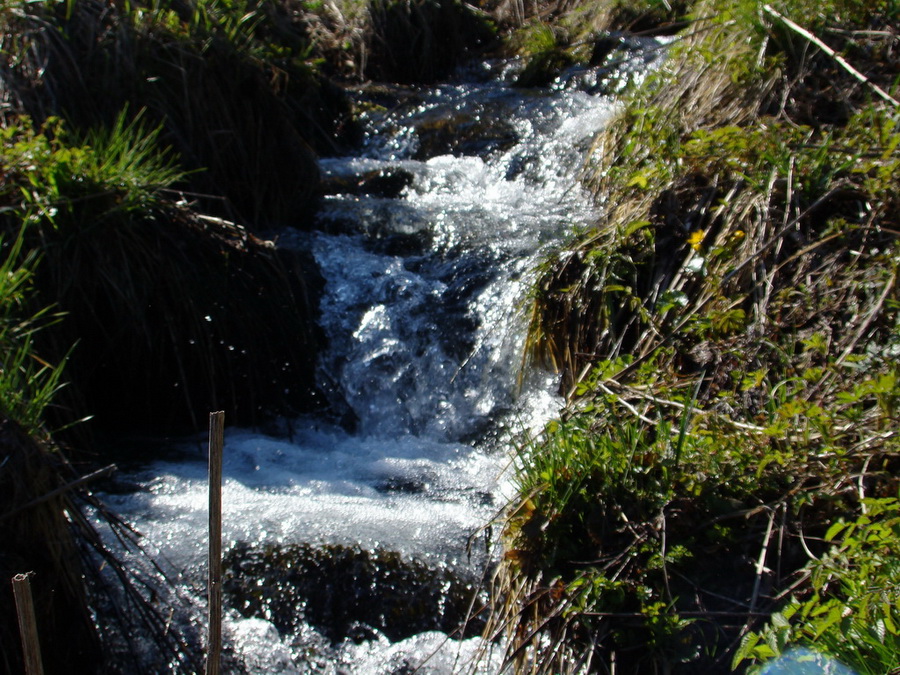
<point>174,314</point>
<point>45,546</point>
<point>235,94</point>
<point>28,383</point>
<point>421,41</point>
<point>74,572</point>
<point>42,509</point>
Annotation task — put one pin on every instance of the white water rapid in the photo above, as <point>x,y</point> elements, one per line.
<point>422,308</point>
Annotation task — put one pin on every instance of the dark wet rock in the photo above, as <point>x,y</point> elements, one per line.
<point>521,165</point>
<point>609,73</point>
<point>385,183</point>
<point>403,244</point>
<point>346,592</point>
<point>611,48</point>
<point>477,134</point>
<point>604,46</point>
<point>390,227</point>
<point>543,68</point>
<point>412,485</point>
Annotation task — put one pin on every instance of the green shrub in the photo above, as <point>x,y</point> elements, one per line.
<point>851,608</point>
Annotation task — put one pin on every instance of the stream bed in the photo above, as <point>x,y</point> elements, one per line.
<point>357,541</point>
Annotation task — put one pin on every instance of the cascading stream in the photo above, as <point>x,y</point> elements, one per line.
<point>427,247</point>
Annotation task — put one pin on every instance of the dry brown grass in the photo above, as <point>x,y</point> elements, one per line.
<point>734,309</point>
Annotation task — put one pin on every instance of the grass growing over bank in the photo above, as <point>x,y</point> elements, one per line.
<point>728,342</point>
<point>210,74</point>
<point>28,383</point>
<point>142,140</point>
<point>199,312</point>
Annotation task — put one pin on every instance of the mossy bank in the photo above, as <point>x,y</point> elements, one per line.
<point>727,341</point>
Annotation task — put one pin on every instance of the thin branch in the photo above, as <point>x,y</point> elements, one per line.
<point>873,312</point>
<point>693,613</point>
<point>99,473</point>
<point>679,406</point>
<point>630,408</point>
<point>761,561</point>
<point>833,54</point>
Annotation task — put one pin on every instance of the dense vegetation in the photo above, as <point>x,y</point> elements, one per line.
<point>723,484</point>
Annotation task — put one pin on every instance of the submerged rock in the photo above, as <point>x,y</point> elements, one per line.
<point>385,183</point>
<point>464,134</point>
<point>347,593</point>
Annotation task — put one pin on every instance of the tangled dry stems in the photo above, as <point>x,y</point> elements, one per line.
<point>706,329</point>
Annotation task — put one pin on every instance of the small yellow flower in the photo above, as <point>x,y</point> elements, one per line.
<point>696,239</point>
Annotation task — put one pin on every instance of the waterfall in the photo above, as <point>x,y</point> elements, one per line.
<point>350,535</point>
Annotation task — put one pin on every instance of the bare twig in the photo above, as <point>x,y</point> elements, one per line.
<point>800,30</point>
<point>696,613</point>
<point>99,473</point>
<point>630,408</point>
<point>677,405</point>
<point>873,312</point>
<point>761,561</point>
<point>861,487</point>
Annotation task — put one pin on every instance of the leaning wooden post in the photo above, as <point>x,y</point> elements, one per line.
<point>214,641</point>
<point>31,646</point>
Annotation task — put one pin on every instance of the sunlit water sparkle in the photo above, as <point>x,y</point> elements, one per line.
<point>424,352</point>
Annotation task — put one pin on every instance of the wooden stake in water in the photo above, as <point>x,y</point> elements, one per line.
<point>216,442</point>
<point>31,646</point>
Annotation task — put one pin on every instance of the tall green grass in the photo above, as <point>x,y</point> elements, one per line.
<point>28,383</point>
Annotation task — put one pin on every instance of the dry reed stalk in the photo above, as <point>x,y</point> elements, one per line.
<point>31,645</point>
<point>840,60</point>
<point>214,590</point>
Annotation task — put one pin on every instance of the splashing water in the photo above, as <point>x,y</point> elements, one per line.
<point>422,309</point>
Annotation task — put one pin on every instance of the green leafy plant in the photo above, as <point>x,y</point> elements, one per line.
<point>852,609</point>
